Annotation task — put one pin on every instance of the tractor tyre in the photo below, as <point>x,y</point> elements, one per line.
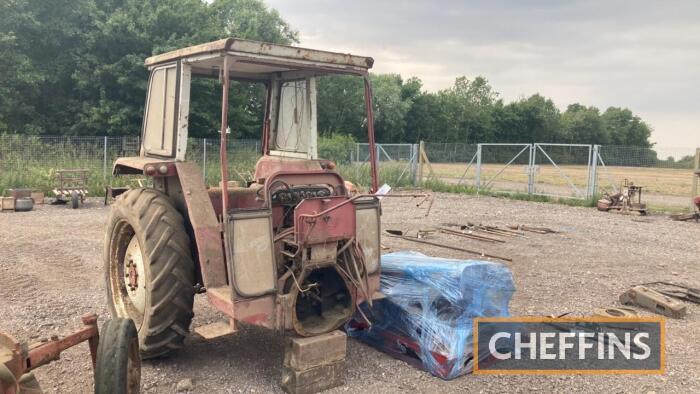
<point>118,367</point>
<point>149,269</point>
<point>74,199</point>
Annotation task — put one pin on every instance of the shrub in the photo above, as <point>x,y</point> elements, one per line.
<point>336,147</point>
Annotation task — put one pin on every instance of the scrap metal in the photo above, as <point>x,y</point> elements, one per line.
<point>17,359</point>
<point>653,301</point>
<point>627,201</point>
<point>399,234</point>
<point>680,292</point>
<point>532,229</point>
<point>471,235</point>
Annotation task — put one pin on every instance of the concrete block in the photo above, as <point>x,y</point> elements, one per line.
<point>305,353</point>
<point>313,380</point>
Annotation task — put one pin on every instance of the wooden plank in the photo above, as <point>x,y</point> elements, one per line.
<point>7,203</point>
<point>215,330</point>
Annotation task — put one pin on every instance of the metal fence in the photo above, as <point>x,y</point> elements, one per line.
<point>562,170</point>
<point>568,170</point>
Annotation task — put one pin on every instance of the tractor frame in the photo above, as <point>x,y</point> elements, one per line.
<point>292,251</point>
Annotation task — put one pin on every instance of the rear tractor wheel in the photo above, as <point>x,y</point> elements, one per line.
<point>149,269</point>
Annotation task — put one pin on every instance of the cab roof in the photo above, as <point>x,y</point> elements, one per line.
<point>251,58</point>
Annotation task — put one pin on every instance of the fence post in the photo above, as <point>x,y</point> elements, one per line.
<point>204,160</point>
<point>414,163</point>
<point>696,175</point>
<point>421,149</point>
<point>104,163</point>
<point>593,172</point>
<point>531,171</point>
<point>477,180</point>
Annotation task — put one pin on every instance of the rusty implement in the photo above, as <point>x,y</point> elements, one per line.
<point>538,230</point>
<point>470,235</point>
<point>114,357</point>
<point>615,312</point>
<point>681,292</point>
<point>399,234</point>
<point>686,217</point>
<point>71,185</point>
<point>653,301</point>
<point>627,201</point>
<point>486,229</point>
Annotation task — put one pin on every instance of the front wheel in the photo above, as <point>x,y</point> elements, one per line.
<point>149,269</point>
<point>118,368</point>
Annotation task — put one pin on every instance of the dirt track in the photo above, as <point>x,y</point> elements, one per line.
<point>51,273</point>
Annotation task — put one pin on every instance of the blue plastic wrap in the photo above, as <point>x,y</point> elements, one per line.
<point>427,316</point>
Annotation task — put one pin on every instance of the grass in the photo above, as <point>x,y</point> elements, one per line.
<point>437,185</point>
<point>661,185</point>
<point>666,181</point>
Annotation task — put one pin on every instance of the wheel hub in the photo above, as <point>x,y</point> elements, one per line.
<point>134,275</point>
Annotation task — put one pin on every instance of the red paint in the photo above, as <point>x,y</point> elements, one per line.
<point>334,225</point>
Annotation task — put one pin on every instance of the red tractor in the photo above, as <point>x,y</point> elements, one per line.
<point>292,250</point>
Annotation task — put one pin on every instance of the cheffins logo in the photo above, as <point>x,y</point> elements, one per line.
<point>592,345</point>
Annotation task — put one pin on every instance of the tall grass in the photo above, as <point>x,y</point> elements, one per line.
<point>32,162</point>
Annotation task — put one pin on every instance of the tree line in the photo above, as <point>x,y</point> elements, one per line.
<point>75,67</point>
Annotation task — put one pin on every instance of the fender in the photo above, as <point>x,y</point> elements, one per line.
<point>148,166</point>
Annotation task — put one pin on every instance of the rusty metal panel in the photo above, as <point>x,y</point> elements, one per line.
<point>253,258</point>
<point>336,222</point>
<point>263,50</point>
<point>204,223</point>
<point>368,233</point>
<point>207,48</point>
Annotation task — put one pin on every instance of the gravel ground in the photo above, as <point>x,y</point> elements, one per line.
<point>51,273</point>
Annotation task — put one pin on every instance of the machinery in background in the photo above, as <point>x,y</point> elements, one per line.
<point>627,201</point>
<point>115,357</point>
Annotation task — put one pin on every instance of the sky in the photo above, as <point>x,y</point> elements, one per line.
<point>642,55</point>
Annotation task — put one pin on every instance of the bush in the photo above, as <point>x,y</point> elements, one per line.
<point>336,147</point>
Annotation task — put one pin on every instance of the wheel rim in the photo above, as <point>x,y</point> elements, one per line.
<point>127,277</point>
<point>134,276</point>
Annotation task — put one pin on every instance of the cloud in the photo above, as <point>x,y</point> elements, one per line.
<point>642,55</point>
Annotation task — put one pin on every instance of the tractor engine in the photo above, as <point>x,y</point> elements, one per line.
<point>320,265</point>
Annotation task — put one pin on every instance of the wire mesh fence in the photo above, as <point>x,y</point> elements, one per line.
<point>579,171</point>
<point>568,170</point>
<point>666,174</point>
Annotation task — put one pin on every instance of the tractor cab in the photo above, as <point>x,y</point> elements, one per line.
<point>290,250</point>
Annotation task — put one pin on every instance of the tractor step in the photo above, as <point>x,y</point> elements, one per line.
<point>215,330</point>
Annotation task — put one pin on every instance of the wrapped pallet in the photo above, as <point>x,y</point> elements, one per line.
<point>427,316</point>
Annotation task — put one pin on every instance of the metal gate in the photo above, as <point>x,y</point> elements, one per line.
<point>568,169</point>
<point>567,166</point>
